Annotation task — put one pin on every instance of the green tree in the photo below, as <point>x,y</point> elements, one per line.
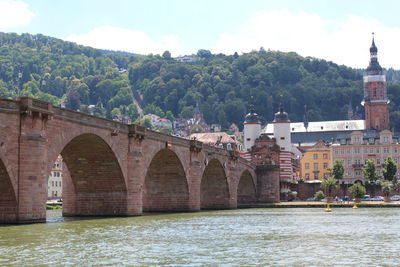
<point>166,55</point>
<point>370,175</point>
<point>319,195</point>
<point>338,170</point>
<point>329,185</point>
<point>145,121</point>
<point>115,112</point>
<point>389,170</point>
<point>164,129</point>
<point>357,190</point>
<point>132,111</point>
<point>187,112</point>
<point>387,188</point>
<point>152,109</point>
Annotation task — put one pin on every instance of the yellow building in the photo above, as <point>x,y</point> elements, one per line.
<point>316,163</point>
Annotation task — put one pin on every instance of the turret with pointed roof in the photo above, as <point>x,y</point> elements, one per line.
<point>374,68</point>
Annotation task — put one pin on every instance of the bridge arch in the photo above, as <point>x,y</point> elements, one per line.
<point>8,200</point>
<point>165,187</point>
<point>246,190</point>
<point>93,182</point>
<point>214,188</point>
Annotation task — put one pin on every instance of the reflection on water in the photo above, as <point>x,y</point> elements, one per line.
<point>278,237</point>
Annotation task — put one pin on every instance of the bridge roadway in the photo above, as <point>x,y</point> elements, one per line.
<point>111,168</point>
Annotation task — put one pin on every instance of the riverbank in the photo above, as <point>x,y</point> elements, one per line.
<point>316,204</point>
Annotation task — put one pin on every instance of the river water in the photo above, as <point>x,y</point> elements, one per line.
<point>264,237</point>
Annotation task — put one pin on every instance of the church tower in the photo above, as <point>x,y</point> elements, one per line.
<point>375,96</point>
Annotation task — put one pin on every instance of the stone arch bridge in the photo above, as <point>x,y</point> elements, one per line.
<point>113,169</point>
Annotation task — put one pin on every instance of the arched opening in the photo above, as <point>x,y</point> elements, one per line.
<point>214,191</point>
<point>92,180</point>
<point>246,192</point>
<point>8,200</point>
<point>165,185</point>
<point>358,182</point>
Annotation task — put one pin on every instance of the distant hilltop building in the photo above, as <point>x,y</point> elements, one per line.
<point>188,59</point>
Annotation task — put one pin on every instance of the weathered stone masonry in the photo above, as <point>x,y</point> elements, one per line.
<point>112,169</point>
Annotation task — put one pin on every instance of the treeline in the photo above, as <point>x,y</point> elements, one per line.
<point>222,85</point>
<point>65,73</point>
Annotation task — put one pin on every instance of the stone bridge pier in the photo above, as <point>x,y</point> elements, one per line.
<point>110,168</point>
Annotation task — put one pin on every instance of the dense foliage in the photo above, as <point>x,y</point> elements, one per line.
<point>63,72</point>
<point>223,86</point>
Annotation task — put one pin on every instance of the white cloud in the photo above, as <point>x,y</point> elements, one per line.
<point>114,38</point>
<point>344,41</point>
<point>13,14</point>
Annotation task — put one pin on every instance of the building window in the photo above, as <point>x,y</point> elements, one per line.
<point>315,166</point>
<point>378,161</point>
<point>385,139</point>
<point>371,141</point>
<point>371,150</point>
<point>386,150</point>
<point>315,156</point>
<point>282,138</point>
<point>357,173</point>
<point>325,156</point>
<point>52,183</point>
<point>348,151</point>
<point>316,175</point>
<point>365,150</point>
<point>349,173</point>
<point>336,151</point>
<point>377,150</point>
<point>307,176</point>
<point>342,151</point>
<point>325,165</point>
<point>349,162</point>
<point>307,165</point>
<point>395,150</point>
<point>228,146</point>
<point>326,175</point>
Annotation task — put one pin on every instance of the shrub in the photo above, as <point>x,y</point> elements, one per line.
<point>319,195</point>
<point>357,190</point>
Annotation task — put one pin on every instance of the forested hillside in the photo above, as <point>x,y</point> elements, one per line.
<point>223,86</point>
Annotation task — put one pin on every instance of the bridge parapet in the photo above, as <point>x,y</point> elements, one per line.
<point>34,105</point>
<point>89,120</point>
<point>7,106</point>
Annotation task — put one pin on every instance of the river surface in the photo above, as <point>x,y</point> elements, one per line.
<point>263,237</point>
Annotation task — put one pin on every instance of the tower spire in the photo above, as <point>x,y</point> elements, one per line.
<point>374,68</point>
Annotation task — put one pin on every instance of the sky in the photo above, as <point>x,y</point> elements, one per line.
<point>338,31</point>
